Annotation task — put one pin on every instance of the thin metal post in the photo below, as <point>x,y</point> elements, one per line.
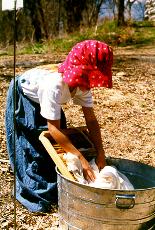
<point>14,120</point>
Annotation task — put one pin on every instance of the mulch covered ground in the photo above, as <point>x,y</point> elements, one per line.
<point>125,113</point>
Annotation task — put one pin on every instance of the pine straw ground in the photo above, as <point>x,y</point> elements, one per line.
<point>126,115</point>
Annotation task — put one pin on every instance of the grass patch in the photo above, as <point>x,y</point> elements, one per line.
<point>134,34</point>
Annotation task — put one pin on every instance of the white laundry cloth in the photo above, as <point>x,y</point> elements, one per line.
<point>108,178</point>
<point>74,165</point>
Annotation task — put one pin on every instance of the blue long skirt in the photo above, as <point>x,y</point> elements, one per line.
<point>36,179</point>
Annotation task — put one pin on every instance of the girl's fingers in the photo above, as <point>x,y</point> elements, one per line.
<point>89,175</point>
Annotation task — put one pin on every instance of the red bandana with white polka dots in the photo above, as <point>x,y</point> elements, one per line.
<point>89,65</point>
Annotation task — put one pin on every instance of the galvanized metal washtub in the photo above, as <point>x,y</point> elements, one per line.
<point>86,208</point>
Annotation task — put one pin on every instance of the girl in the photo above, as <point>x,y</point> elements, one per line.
<point>39,96</point>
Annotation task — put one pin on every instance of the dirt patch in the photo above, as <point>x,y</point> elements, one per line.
<point>126,115</point>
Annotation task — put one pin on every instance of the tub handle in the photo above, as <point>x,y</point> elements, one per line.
<point>125,201</point>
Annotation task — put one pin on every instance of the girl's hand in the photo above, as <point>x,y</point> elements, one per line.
<point>100,160</point>
<point>87,170</point>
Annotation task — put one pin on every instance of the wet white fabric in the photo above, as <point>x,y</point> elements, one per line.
<point>108,178</point>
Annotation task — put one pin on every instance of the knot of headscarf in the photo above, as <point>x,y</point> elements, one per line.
<point>89,65</point>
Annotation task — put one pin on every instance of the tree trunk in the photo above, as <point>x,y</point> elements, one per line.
<point>91,12</point>
<point>74,9</point>
<point>121,21</point>
<point>33,7</point>
<point>44,24</point>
